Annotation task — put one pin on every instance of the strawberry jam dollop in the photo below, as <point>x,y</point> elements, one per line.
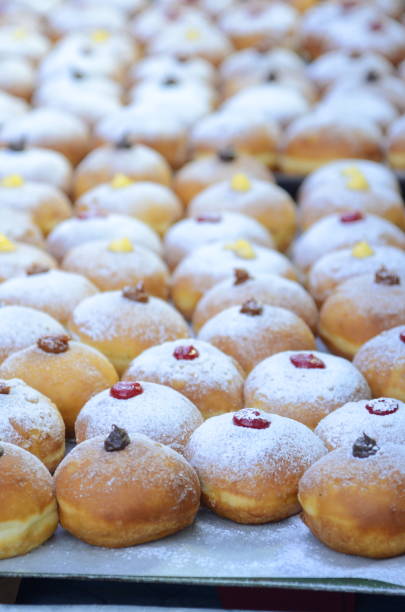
<point>209,218</point>
<point>253,419</point>
<point>126,389</point>
<point>402,336</point>
<point>351,217</point>
<point>307,361</point>
<point>382,406</point>
<point>187,353</point>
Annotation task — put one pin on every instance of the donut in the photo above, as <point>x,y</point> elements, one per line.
<point>161,413</point>
<point>29,514</point>
<point>200,173</point>
<point>249,463</point>
<point>46,204</point>
<point>360,308</point>
<point>338,266</point>
<point>188,234</point>
<point>154,204</point>
<point>266,288</point>
<point>54,292</point>
<point>395,145</point>
<point>267,203</point>
<point>382,418</point>
<point>22,42</point>
<point>375,84</point>
<point>20,327</point>
<point>212,380</point>
<point>16,257</point>
<point>342,231</point>
<point>124,491</point>
<point>381,360</point>
<point>63,19</point>
<point>31,421</point>
<point>210,264</point>
<point>160,67</point>
<point>252,332</point>
<point>353,499</point>
<point>122,324</point>
<point>17,77</point>
<point>304,386</point>
<point>118,263</point>
<point>88,227</point>
<point>138,162</point>
<point>18,226</point>
<point>68,373</point>
<point>368,104</point>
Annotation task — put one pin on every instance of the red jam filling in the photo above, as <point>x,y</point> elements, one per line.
<point>351,217</point>
<point>402,336</point>
<point>126,389</point>
<point>307,361</point>
<point>84,215</point>
<point>247,417</point>
<point>376,26</point>
<point>188,353</point>
<point>208,218</point>
<point>382,406</point>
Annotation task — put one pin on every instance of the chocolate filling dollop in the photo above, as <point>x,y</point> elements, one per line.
<point>252,308</point>
<point>385,277</point>
<point>36,268</point>
<point>136,294</point>
<point>227,155</point>
<point>116,440</point>
<point>124,142</point>
<point>365,447</point>
<point>4,389</point>
<point>241,276</point>
<point>54,344</point>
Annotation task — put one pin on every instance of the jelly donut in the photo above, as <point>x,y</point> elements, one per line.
<point>304,386</point>
<point>18,226</point>
<point>30,420</point>
<point>353,499</point>
<point>266,288</point>
<point>124,491</point>
<point>46,204</point>
<point>212,380</point>
<point>117,263</point>
<point>382,419</point>
<point>29,515</point>
<point>154,204</point>
<point>199,174</point>
<point>122,324</point>
<point>16,257</point>
<point>20,327</point>
<point>360,308</point>
<point>186,235</point>
<point>269,204</point>
<point>210,264</point>
<point>338,266</point>
<point>68,373</point>
<point>249,463</point>
<point>381,360</point>
<point>161,413</point>
<point>252,332</point>
<point>138,162</point>
<point>55,292</point>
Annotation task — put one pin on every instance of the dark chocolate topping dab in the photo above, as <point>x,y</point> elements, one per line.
<point>355,54</point>
<point>170,80</point>
<point>364,447</point>
<point>385,277</point>
<point>1,451</point>
<point>136,294</point>
<point>36,268</point>
<point>272,76</point>
<point>227,155</point>
<point>372,76</point>
<point>251,307</point>
<point>124,142</point>
<point>116,440</point>
<point>4,388</point>
<point>17,145</point>
<point>241,276</point>
<point>54,344</point>
<point>77,74</point>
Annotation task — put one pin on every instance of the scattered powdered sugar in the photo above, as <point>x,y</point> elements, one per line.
<point>160,413</point>
<point>15,263</point>
<point>343,426</point>
<point>220,449</point>
<point>28,466</point>
<point>276,384</point>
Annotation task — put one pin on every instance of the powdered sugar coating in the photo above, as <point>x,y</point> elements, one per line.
<point>161,413</point>
<point>20,327</point>
<point>352,420</point>
<point>29,467</point>
<point>18,225</point>
<point>56,292</point>
<point>307,395</point>
<point>330,234</point>
<point>41,165</point>
<point>220,449</point>
<point>159,67</point>
<point>15,262</point>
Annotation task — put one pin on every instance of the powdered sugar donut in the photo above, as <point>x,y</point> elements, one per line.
<point>209,378</point>
<point>210,264</point>
<point>265,288</point>
<point>17,77</point>
<point>159,67</point>
<point>382,361</point>
<point>17,257</point>
<point>88,227</point>
<point>18,226</point>
<point>31,421</point>
<point>189,234</point>
<point>20,327</point>
<point>252,332</point>
<point>23,42</point>
<point>304,386</point>
<point>123,324</point>
<point>156,411</point>
<point>55,292</point>
<point>249,464</point>
<point>241,64</point>
<point>396,144</point>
